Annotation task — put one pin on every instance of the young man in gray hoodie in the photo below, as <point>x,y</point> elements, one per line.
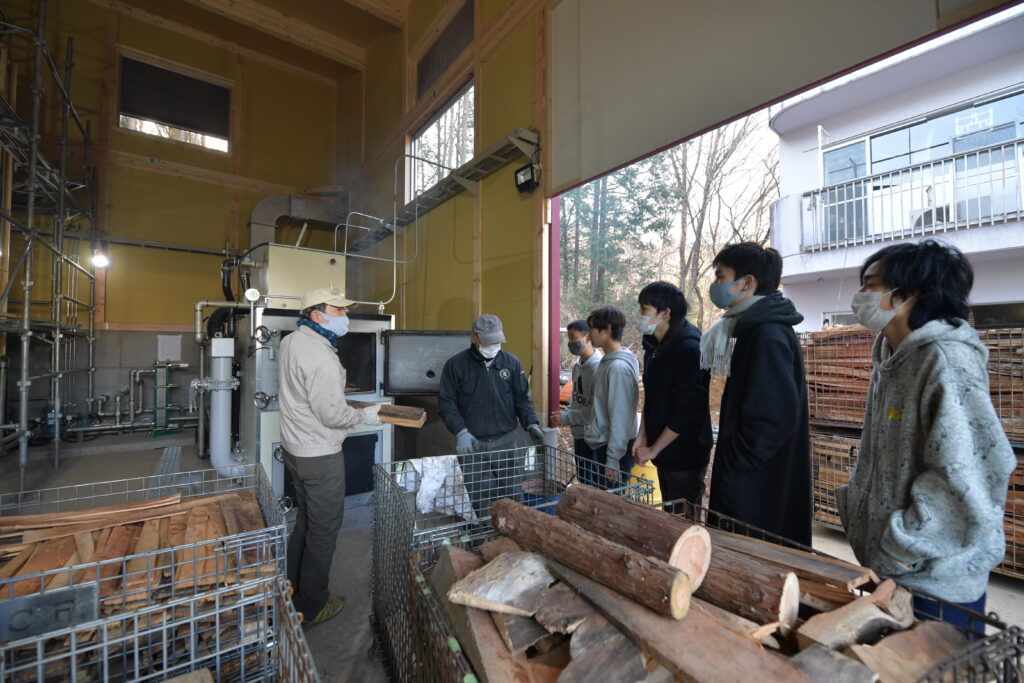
<point>925,502</point>
<point>616,393</point>
<point>580,410</point>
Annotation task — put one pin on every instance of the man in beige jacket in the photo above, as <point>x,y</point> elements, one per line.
<point>315,419</point>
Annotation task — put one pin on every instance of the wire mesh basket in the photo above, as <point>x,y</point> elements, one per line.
<point>247,632</point>
<point>833,458</point>
<point>34,605</point>
<point>420,505</point>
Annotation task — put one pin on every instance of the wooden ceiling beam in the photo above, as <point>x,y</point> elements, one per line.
<point>280,25</point>
<point>154,19</point>
<point>395,12</point>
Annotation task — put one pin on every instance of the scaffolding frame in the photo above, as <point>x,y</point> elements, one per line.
<point>47,189</point>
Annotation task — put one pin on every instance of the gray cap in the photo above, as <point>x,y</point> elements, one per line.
<point>487,328</point>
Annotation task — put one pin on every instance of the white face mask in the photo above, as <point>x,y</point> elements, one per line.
<point>490,351</point>
<point>867,308</point>
<point>646,324</point>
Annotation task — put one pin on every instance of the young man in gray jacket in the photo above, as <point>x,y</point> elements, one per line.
<point>925,502</point>
<point>580,411</point>
<point>315,419</point>
<point>616,393</point>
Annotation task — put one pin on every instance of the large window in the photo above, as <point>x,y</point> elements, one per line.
<point>171,105</point>
<point>445,143</point>
<point>980,125</point>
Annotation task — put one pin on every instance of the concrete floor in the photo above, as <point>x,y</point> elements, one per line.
<point>344,647</point>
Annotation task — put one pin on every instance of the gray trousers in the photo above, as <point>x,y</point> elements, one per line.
<point>493,473</point>
<point>320,489</point>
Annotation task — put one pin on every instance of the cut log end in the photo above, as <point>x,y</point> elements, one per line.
<point>789,604</point>
<point>679,597</point>
<point>692,554</point>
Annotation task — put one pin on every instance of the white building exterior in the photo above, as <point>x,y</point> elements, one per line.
<point>930,145</point>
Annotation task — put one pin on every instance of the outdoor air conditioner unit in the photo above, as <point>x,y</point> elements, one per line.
<point>926,218</point>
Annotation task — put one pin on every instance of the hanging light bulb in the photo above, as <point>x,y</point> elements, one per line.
<point>100,260</point>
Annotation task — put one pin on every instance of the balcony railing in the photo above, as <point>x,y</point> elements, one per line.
<point>960,192</point>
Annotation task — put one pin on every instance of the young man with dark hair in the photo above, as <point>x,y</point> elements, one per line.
<point>762,470</point>
<point>616,393</point>
<point>925,502</point>
<point>675,429</point>
<point>580,411</point>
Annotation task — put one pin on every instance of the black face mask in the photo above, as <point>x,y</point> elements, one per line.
<point>575,348</point>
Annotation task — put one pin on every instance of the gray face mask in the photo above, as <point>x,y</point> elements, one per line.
<point>576,348</point>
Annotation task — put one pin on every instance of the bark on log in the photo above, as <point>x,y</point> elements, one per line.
<point>644,529</point>
<point>739,583</point>
<point>651,582</point>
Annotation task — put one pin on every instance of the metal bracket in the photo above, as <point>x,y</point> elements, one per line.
<point>472,186</point>
<point>210,384</point>
<point>527,141</point>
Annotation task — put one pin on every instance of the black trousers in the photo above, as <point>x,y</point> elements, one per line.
<point>320,488</point>
<point>493,473</point>
<point>688,484</point>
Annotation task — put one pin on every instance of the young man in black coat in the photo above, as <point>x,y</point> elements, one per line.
<point>762,470</point>
<point>675,428</point>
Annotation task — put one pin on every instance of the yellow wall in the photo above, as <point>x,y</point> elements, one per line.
<point>436,290</point>
<point>286,132</point>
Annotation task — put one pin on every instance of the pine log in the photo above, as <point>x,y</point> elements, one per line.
<point>649,581</point>
<point>646,530</point>
<point>496,546</point>
<point>864,620</point>
<point>697,648</point>
<point>400,416</point>
<point>734,581</point>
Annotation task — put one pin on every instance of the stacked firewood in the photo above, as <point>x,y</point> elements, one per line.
<point>610,589</point>
<point>832,461</point>
<point>89,540</point>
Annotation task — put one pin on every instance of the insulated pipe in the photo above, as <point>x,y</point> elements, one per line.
<point>200,337</point>
<point>4,365</point>
<point>221,354</point>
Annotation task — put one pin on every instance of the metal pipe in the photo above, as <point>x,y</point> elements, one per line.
<point>30,217</point>
<point>201,401</point>
<point>12,437</point>
<point>57,269</point>
<point>117,409</point>
<point>181,421</point>
<point>221,458</point>
<point>200,337</point>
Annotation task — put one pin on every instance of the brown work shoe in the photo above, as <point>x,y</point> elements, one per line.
<point>331,609</point>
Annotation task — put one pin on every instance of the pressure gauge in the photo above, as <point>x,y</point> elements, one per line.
<point>252,294</point>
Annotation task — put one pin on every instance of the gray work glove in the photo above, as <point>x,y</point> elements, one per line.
<point>536,432</point>
<point>370,415</point>
<point>465,442</point>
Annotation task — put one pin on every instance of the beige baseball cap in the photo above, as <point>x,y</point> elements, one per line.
<point>325,295</point>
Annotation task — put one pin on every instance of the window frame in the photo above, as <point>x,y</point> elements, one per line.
<point>906,124</point>
<point>185,70</point>
<point>410,167</point>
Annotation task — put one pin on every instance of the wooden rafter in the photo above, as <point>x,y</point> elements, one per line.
<point>280,25</point>
<point>395,12</point>
<point>153,19</point>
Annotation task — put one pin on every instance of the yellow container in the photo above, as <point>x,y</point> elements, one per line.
<point>649,472</point>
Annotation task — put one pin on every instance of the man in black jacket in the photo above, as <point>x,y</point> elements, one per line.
<point>675,429</point>
<point>483,393</point>
<point>762,470</point>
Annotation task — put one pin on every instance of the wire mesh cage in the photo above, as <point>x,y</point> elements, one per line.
<point>246,632</point>
<point>177,566</point>
<point>838,366</point>
<point>993,652</point>
<point>420,505</point>
<point>832,461</point>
